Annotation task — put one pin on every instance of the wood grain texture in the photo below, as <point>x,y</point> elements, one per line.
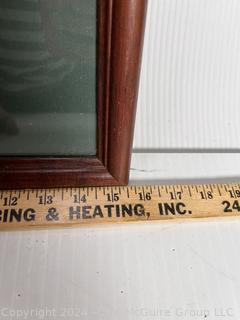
<point>120,26</point>
<point>127,30</point>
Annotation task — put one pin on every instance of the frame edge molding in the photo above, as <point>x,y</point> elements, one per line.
<point>126,52</point>
<point>118,68</point>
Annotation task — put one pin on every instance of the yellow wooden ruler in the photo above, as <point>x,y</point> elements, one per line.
<point>95,205</point>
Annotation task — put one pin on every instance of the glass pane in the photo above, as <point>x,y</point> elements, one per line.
<point>48,77</point>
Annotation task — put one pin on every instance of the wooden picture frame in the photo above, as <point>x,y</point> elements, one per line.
<point>120,28</point>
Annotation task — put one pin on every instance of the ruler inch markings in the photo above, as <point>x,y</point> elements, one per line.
<point>24,208</point>
<point>159,193</point>
<point>128,193</point>
<point>189,190</point>
<point>234,193</point>
<point>143,193</point>
<point>219,191</point>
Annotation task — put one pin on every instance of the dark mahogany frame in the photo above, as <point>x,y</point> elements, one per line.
<point>119,45</point>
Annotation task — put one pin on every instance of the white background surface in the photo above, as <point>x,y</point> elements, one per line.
<point>189,99</point>
<point>189,91</point>
<point>138,271</point>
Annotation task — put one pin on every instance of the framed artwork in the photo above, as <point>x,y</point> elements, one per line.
<point>69,73</point>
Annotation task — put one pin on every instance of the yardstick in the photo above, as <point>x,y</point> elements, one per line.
<point>94,205</point>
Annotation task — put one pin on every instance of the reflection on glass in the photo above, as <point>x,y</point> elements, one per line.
<point>47,77</point>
